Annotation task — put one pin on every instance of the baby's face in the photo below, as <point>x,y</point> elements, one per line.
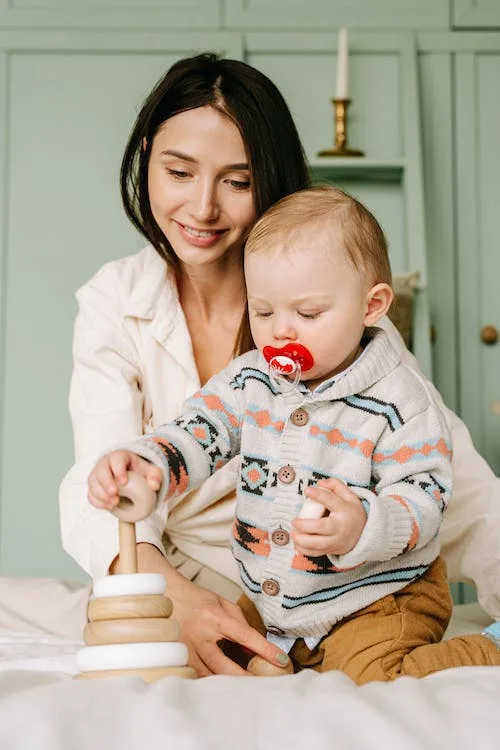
<point>309,296</point>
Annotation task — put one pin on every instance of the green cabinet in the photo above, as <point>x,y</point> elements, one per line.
<point>477,120</point>
<point>475,14</point>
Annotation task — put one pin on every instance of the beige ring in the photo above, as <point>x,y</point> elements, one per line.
<point>152,629</point>
<point>148,675</point>
<point>125,607</point>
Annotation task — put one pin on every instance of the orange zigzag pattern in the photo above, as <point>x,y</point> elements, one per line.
<point>336,437</point>
<point>263,418</point>
<point>405,453</point>
<point>214,403</point>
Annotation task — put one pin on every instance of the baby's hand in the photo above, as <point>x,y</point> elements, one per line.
<point>337,532</point>
<point>110,473</point>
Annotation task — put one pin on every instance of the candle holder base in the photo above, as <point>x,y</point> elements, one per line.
<point>341,152</point>
<point>340,147</point>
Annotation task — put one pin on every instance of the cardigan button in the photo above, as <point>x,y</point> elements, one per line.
<point>299,417</point>
<point>286,474</point>
<point>280,537</point>
<point>270,587</point>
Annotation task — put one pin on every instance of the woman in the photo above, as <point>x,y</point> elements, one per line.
<point>214,145</point>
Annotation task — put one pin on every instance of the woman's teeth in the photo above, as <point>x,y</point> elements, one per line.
<point>199,233</point>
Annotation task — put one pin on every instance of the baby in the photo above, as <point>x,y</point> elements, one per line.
<point>345,460</point>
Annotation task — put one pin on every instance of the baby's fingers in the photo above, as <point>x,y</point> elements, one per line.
<point>98,495</point>
<point>119,461</point>
<point>151,473</point>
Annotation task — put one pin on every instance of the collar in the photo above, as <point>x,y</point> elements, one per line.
<point>377,359</point>
<point>153,297</point>
<point>151,280</point>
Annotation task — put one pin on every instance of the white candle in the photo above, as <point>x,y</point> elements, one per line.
<point>342,65</point>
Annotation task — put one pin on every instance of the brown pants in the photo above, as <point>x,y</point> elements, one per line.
<point>397,635</point>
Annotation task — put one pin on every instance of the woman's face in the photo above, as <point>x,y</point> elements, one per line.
<point>199,186</point>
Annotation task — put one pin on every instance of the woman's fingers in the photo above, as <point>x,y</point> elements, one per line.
<point>198,665</point>
<point>245,635</point>
<point>215,662</point>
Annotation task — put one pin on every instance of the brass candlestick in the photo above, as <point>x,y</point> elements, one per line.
<point>341,148</point>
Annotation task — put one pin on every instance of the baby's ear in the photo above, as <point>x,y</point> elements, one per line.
<point>378,301</point>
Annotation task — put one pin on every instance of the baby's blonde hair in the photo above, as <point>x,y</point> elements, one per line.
<point>327,207</point>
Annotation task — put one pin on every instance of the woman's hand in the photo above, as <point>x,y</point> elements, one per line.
<point>110,472</point>
<point>337,532</point>
<point>206,619</point>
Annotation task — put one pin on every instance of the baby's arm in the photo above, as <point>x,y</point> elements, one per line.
<point>401,512</point>
<point>178,456</point>
<point>411,466</point>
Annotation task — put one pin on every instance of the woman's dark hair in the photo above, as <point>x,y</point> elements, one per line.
<point>256,106</point>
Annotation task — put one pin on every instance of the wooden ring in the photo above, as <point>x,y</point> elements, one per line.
<point>149,629</point>
<point>137,499</point>
<point>124,607</point>
<point>148,675</point>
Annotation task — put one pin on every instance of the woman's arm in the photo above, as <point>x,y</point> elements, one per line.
<point>106,404</point>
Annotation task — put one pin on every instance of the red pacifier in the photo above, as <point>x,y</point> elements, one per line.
<point>289,358</point>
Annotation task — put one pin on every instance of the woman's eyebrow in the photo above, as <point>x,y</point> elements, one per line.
<point>241,166</point>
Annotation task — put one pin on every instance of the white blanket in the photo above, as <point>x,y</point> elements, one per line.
<point>43,708</point>
<point>456,709</point>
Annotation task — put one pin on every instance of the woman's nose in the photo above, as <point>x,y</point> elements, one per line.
<point>204,204</point>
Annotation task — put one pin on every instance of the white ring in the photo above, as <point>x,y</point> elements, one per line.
<point>132,656</point>
<point>130,584</point>
<point>311,509</point>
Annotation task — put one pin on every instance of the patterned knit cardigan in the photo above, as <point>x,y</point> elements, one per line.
<point>376,428</point>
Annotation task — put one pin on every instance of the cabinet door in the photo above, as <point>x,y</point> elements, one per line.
<point>475,14</point>
<point>478,189</point>
<point>65,115</point>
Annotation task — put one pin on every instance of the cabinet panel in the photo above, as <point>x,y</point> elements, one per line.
<point>478,187</point>
<point>373,127</point>
<point>435,73</point>
<point>67,118</point>
<point>321,14</point>
<point>473,14</point>
<point>110,13</point>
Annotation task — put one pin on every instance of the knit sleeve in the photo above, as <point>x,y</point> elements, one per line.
<point>204,437</point>
<point>412,482</point>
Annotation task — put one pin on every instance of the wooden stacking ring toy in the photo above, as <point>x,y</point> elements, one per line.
<point>130,632</point>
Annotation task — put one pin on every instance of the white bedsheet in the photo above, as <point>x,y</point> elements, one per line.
<point>457,709</point>
<point>43,708</point>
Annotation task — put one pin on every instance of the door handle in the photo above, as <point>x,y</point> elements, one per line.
<point>489,335</point>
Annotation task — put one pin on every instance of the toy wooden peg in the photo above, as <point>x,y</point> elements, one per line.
<point>137,501</point>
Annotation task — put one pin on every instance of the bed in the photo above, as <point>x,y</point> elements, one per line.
<point>42,707</point>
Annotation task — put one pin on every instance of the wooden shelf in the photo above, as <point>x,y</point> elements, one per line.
<point>357,168</point>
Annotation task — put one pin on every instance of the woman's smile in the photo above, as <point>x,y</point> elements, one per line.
<point>200,237</point>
